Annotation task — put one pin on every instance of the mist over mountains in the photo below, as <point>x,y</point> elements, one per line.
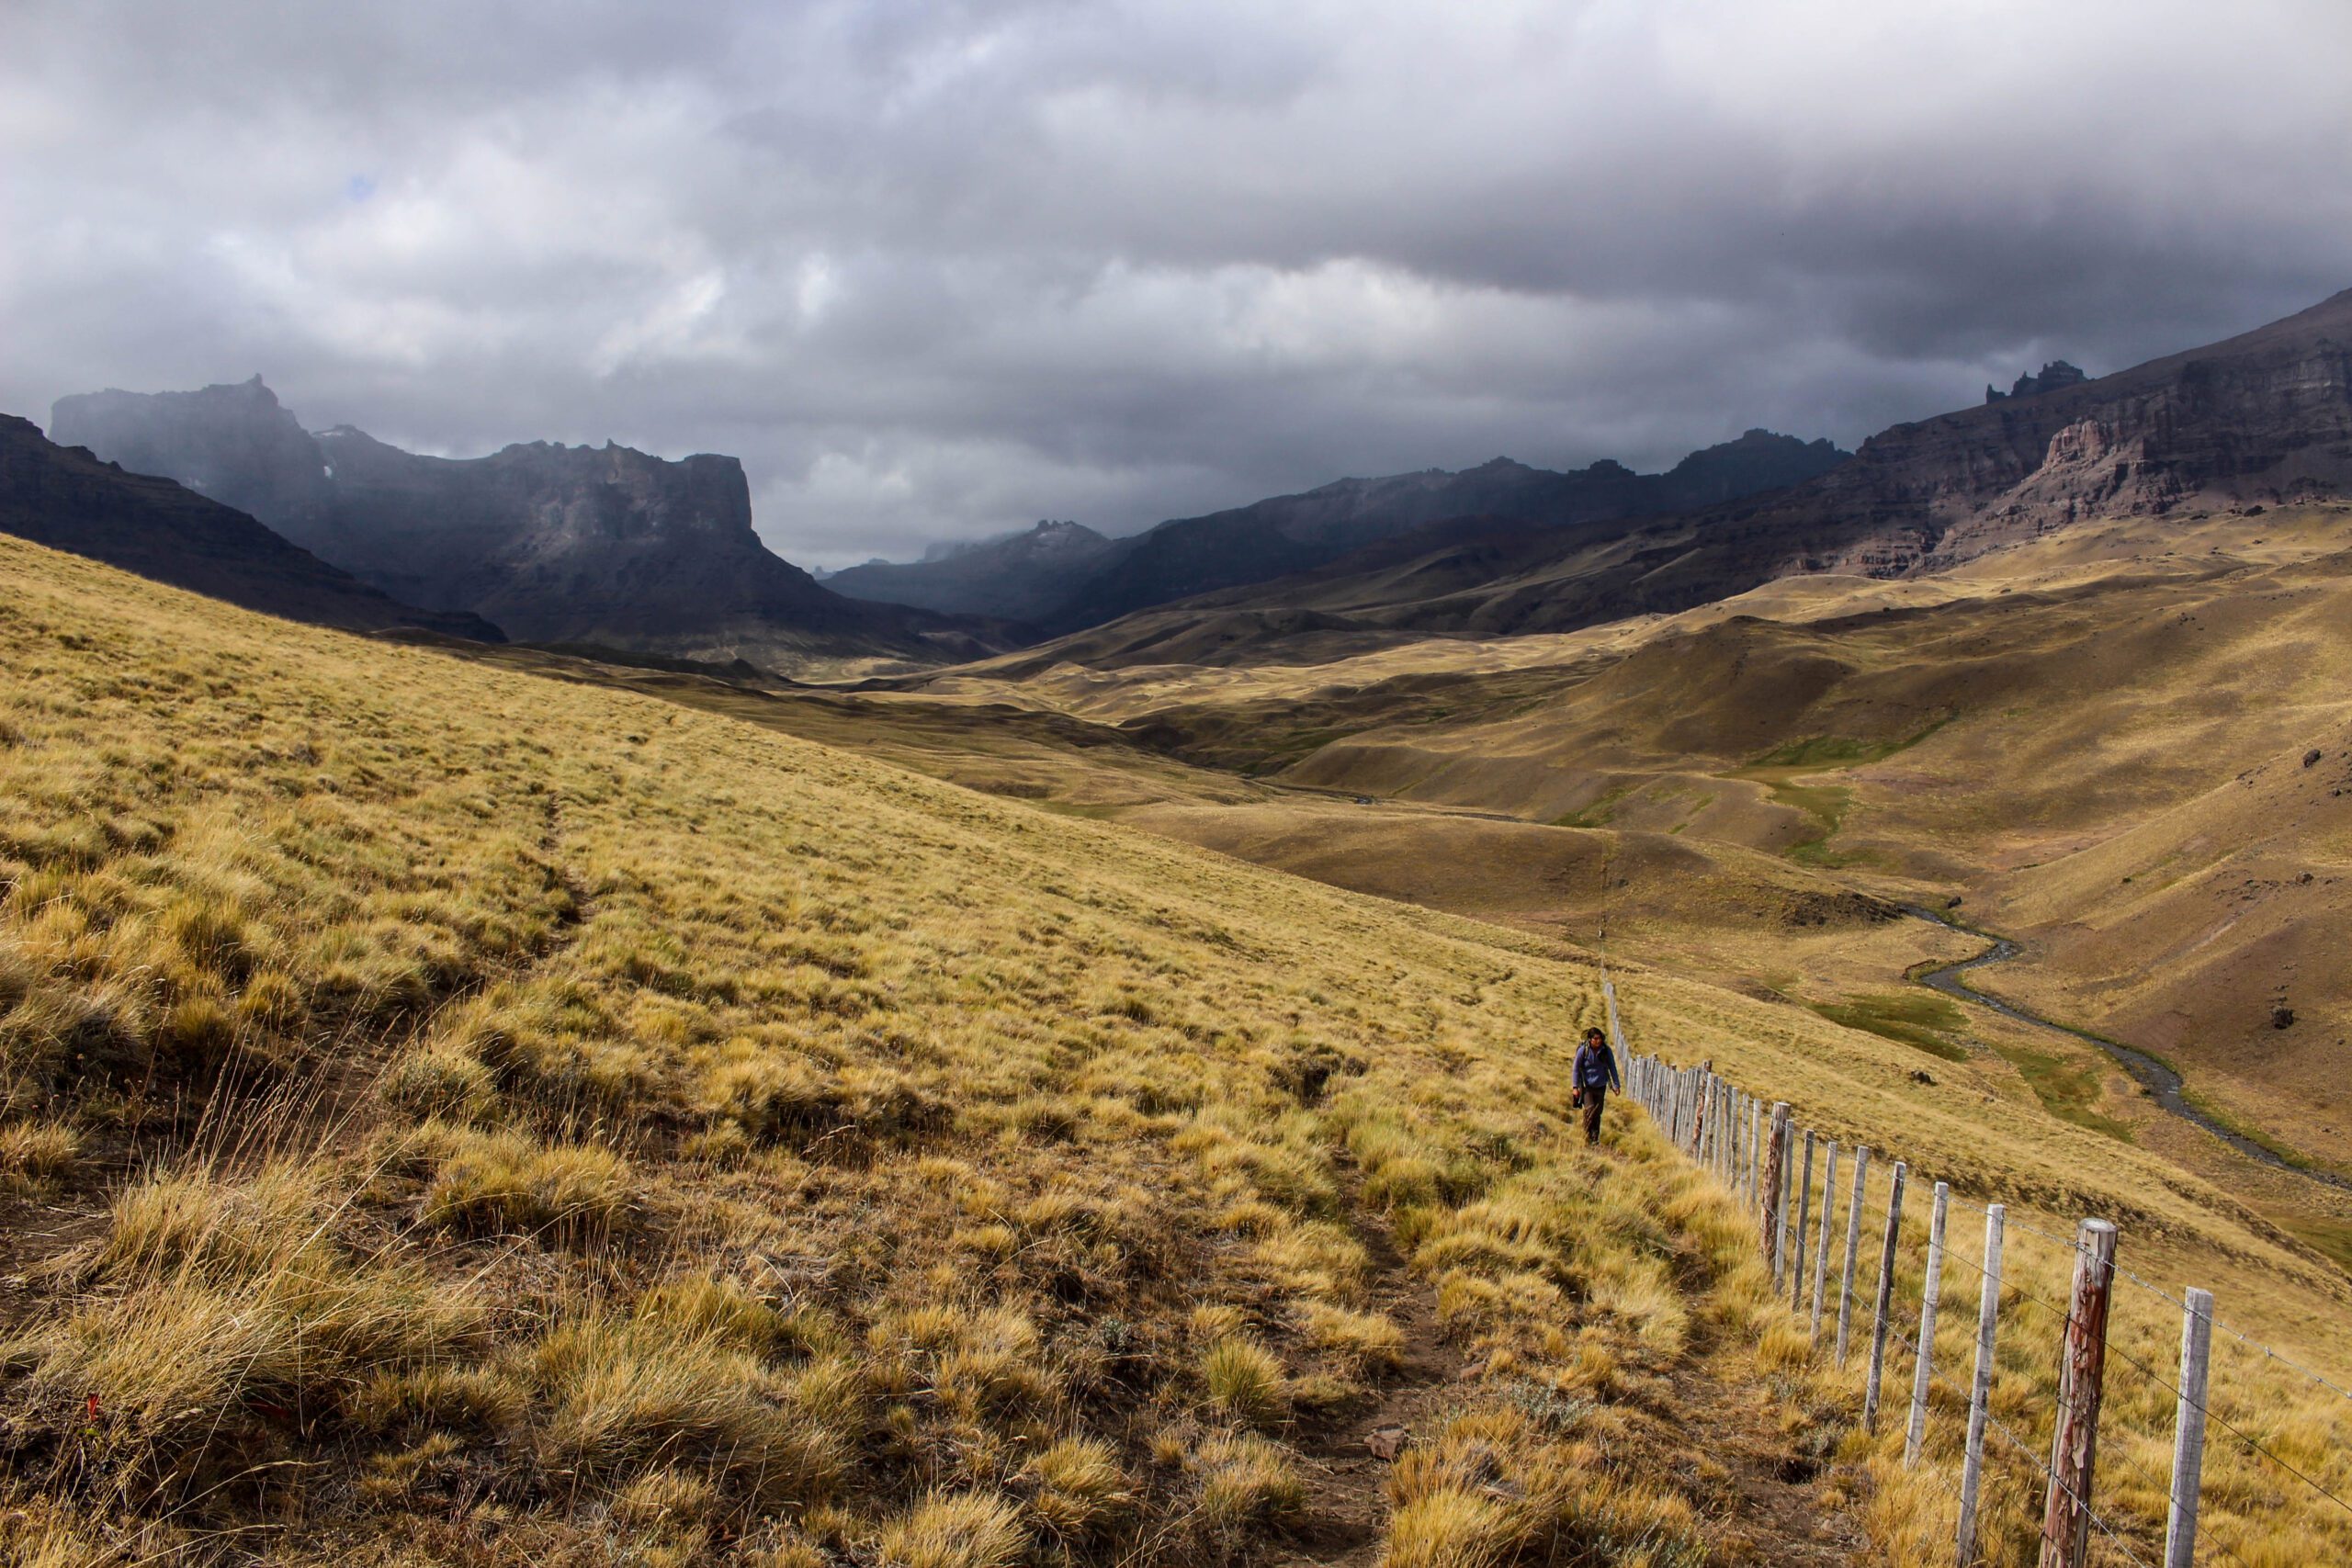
<point>604,547</point>
<point>611,548</point>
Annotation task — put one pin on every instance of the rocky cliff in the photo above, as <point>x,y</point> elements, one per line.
<point>601,545</point>
<point>2262,418</point>
<point>67,499</point>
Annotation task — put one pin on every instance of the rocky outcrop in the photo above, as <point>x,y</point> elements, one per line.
<point>600,547</point>
<point>67,499</point>
<point>2055,376</point>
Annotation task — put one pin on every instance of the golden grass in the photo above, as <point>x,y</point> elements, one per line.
<point>547,1143</point>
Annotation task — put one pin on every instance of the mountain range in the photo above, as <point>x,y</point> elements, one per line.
<point>602,547</point>
<point>2261,419</point>
<point>610,547</point>
<point>1064,578</point>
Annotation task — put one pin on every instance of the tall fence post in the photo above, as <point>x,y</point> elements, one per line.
<point>1821,1248</point>
<point>1755,1156</point>
<point>2188,1427</point>
<point>1775,1155</point>
<point>2082,1374</point>
<point>1781,1200</point>
<point>1853,1245</point>
<point>1988,1313</point>
<point>1882,1308</point>
<point>1931,1289</point>
<point>1804,1224</point>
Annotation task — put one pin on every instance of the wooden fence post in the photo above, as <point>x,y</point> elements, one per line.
<point>1853,1244</point>
<point>1775,1155</point>
<point>1755,1156</point>
<point>1804,1224</point>
<point>2188,1427</point>
<point>1988,1313</point>
<point>1726,1098</point>
<point>1781,1200</point>
<point>1931,1289</point>
<point>1883,1310</point>
<point>1821,1248</point>
<point>2082,1374</point>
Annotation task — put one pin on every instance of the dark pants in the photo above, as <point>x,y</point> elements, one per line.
<point>1593,1099</point>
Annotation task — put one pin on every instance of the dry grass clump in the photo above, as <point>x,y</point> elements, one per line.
<point>1245,1481</point>
<point>1365,1342</point>
<point>34,1151</point>
<point>1245,1382</point>
<point>967,1529</point>
<point>622,1399</point>
<point>507,1182</point>
<point>1079,1487</point>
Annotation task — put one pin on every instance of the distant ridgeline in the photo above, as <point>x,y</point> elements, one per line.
<point>2054,375</point>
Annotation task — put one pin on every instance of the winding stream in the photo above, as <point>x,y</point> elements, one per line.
<point>2163,1084</point>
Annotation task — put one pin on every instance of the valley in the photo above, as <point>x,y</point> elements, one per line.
<point>741,1072</point>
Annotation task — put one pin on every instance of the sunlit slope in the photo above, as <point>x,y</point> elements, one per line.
<point>551,1120</point>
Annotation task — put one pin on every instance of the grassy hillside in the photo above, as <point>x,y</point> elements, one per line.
<point>452,1115</point>
<point>2104,740</point>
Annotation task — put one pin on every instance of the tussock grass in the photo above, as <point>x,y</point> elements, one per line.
<point>552,1147</point>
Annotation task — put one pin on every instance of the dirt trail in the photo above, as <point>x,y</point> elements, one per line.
<point>1760,1492</point>
<point>1349,1484</point>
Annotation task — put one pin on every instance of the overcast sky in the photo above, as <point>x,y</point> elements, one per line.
<point>937,270</point>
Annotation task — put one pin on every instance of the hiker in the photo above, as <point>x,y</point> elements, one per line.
<point>1593,1076</point>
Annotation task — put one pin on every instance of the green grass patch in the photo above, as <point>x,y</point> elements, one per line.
<point>2332,1239</point>
<point>1781,769</point>
<point>2068,1085</point>
<point>1598,813</point>
<point>1819,752</point>
<point>1923,1023</point>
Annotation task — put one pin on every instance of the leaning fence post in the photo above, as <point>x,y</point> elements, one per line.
<point>1853,1244</point>
<point>2188,1427</point>
<point>1775,1155</point>
<point>1931,1289</point>
<point>1882,1312</point>
<point>1821,1250</point>
<point>2082,1373</point>
<point>1988,1312</point>
<point>1804,1224</point>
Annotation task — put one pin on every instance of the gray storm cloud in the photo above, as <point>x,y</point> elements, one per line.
<point>936,270</point>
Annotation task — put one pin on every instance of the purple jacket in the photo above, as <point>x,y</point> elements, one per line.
<point>1596,1067</point>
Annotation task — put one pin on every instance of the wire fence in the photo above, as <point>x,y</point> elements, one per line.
<point>1841,1232</point>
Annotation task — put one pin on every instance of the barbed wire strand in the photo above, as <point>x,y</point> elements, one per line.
<point>1877,1212</point>
<point>2076,1499</point>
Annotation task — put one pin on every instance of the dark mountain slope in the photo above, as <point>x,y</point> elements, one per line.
<point>65,498</point>
<point>1025,578</point>
<point>2259,419</point>
<point>1287,535</point>
<point>596,546</point>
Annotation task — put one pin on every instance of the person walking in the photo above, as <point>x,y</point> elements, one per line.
<point>1594,1075</point>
